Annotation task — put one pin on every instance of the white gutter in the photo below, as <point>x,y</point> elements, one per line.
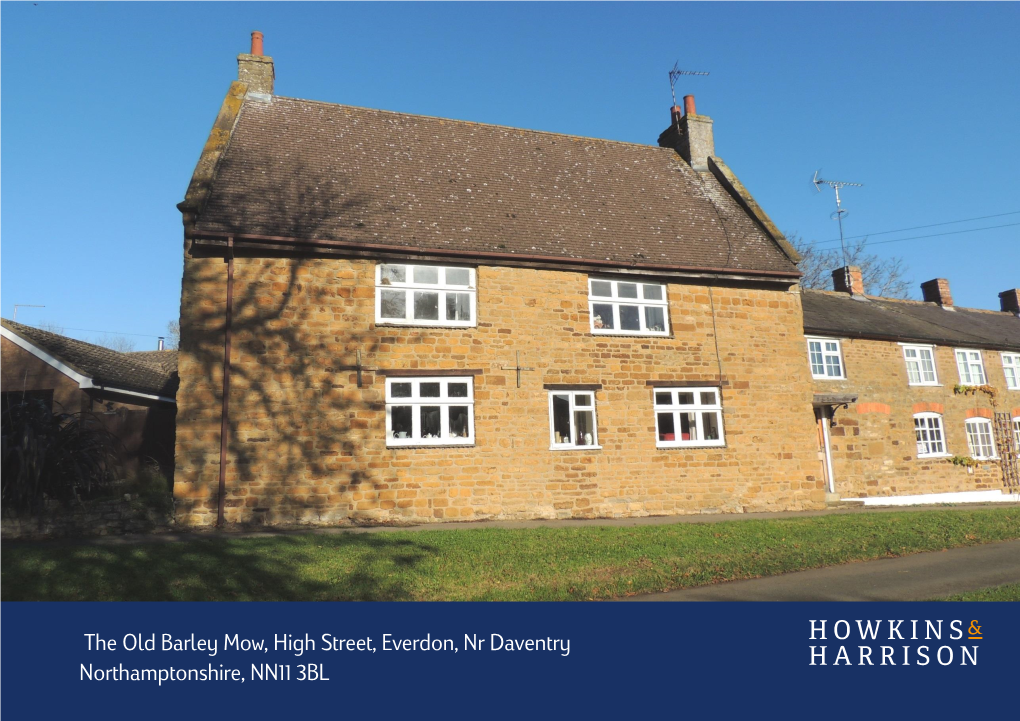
<point>84,381</point>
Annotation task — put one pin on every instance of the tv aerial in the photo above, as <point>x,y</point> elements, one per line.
<point>840,211</point>
<point>675,75</point>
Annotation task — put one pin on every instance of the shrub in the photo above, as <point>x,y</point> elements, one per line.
<point>46,455</point>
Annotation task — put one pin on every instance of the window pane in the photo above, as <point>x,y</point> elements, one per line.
<point>561,419</point>
<point>685,399</point>
<point>457,390</point>
<point>652,292</point>
<point>393,274</point>
<point>429,390</point>
<point>400,390</point>
<point>584,428</point>
<point>603,315</point>
<point>460,426</point>
<point>458,306</point>
<point>913,375</point>
<point>458,276</point>
<point>425,274</point>
<point>667,431</point>
<point>688,427</point>
<point>602,288</point>
<point>426,306</point>
<point>710,424</point>
<point>392,304</point>
<point>655,319</point>
<point>832,368</point>
<point>582,400</point>
<point>431,423</point>
<point>708,398</point>
<point>401,420</point>
<point>629,317</point>
<point>663,399</point>
<point>626,290</point>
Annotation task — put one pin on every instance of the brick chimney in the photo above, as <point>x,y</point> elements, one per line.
<point>689,134</point>
<point>937,291</point>
<point>1009,301</point>
<point>848,279</point>
<point>255,69</point>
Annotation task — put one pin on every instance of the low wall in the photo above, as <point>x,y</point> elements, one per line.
<point>92,518</point>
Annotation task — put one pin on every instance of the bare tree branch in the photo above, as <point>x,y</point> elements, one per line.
<point>884,277</point>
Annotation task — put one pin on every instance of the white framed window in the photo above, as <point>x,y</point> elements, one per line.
<point>931,440</point>
<point>430,411</point>
<point>825,357</point>
<point>688,417</point>
<point>920,365</point>
<point>980,438</point>
<point>1011,367</point>
<point>436,295</point>
<point>620,307</point>
<point>971,367</point>
<point>572,420</point>
<point>1016,431</point>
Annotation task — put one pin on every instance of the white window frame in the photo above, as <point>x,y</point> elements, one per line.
<point>977,424</point>
<point>967,365</point>
<point>410,288</point>
<point>698,408</point>
<point>928,428</point>
<point>919,361</point>
<point>553,445</point>
<point>616,301</point>
<point>1016,431</point>
<point>1011,369</point>
<point>416,401</point>
<point>826,354</point>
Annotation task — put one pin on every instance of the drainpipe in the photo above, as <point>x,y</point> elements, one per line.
<point>225,414</point>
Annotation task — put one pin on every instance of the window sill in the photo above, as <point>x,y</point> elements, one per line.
<point>666,446</point>
<point>575,448</point>
<point>396,446</point>
<point>924,385</point>
<point>630,334</point>
<point>420,324</point>
<point>927,456</point>
<point>828,378</point>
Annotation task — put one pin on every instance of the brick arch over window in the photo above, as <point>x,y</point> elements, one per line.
<point>930,408</point>
<point>979,413</point>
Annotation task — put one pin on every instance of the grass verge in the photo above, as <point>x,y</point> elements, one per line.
<point>485,564</point>
<point>1008,592</point>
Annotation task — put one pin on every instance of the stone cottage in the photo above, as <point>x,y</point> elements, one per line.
<point>395,318</point>
<point>914,397</point>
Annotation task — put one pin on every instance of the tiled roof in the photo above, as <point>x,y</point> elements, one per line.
<point>304,169</point>
<point>144,372</point>
<point>832,313</point>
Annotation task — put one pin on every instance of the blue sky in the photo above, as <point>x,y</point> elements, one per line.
<point>105,108</point>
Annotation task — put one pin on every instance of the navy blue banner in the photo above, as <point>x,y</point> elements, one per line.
<point>267,660</point>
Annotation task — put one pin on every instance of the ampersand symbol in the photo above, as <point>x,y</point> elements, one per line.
<point>974,629</point>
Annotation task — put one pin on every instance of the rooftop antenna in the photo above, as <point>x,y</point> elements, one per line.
<point>675,74</point>
<point>23,305</point>
<point>839,213</point>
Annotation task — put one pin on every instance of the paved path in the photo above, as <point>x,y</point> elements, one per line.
<point>919,577</point>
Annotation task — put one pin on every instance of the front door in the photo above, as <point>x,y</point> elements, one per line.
<point>822,419</point>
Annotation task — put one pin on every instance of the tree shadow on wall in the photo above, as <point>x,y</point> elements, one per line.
<point>298,420</point>
<point>344,567</point>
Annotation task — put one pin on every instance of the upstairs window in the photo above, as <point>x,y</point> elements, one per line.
<point>980,438</point>
<point>972,369</point>
<point>688,417</point>
<point>826,360</point>
<point>620,307</point>
<point>425,295</point>
<point>920,365</point>
<point>1011,367</point>
<point>572,420</point>
<point>930,437</point>
<point>430,411</point>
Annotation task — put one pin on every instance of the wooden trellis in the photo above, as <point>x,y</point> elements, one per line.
<point>1006,443</point>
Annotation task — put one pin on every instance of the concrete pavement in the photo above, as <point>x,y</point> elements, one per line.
<point>918,577</point>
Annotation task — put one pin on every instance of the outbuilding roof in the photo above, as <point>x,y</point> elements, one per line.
<point>835,313</point>
<point>143,372</point>
<point>304,169</point>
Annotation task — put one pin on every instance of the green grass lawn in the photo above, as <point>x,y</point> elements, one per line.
<point>1009,592</point>
<point>483,564</point>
